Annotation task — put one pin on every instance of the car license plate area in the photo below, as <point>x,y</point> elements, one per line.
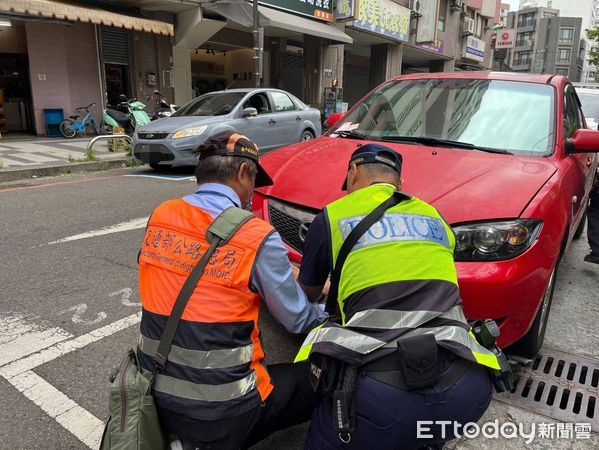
<point>153,153</point>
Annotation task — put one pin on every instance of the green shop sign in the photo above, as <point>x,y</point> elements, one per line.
<point>318,9</point>
<point>384,17</point>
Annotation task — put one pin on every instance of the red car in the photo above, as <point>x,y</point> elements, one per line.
<point>505,158</point>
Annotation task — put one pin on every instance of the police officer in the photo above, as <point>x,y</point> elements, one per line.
<point>403,351</point>
<point>215,391</point>
<point>593,224</point>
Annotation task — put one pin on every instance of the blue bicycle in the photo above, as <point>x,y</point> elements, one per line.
<point>71,126</point>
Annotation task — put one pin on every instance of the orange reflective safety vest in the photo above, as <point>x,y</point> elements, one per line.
<point>214,367</point>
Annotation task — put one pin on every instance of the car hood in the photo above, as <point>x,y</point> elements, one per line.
<point>172,124</point>
<point>464,185</point>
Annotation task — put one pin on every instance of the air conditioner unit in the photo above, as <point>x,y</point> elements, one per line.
<point>456,5</point>
<point>468,26</point>
<point>416,7</point>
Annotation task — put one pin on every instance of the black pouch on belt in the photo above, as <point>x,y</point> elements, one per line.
<point>419,361</point>
<point>324,372</point>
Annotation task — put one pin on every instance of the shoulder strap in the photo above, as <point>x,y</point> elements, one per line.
<point>351,240</point>
<point>222,229</point>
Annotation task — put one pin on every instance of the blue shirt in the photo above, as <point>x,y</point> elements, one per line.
<point>272,277</point>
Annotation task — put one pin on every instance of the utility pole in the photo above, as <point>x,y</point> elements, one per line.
<point>257,44</point>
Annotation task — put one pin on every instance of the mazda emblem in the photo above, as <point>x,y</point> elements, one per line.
<point>303,230</point>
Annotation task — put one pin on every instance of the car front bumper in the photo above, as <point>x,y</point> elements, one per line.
<point>508,291</point>
<point>167,152</point>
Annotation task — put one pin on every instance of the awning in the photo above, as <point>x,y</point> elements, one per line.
<point>241,13</point>
<point>64,11</point>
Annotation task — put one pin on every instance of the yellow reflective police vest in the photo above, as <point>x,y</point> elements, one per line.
<point>398,281</point>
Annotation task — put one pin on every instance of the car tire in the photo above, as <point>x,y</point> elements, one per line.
<point>530,344</point>
<point>580,229</point>
<point>158,167</point>
<point>306,136</point>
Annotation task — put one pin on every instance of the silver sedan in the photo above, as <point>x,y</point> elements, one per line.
<point>270,117</point>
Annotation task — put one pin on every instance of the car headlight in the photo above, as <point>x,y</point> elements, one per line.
<point>189,132</point>
<point>495,241</point>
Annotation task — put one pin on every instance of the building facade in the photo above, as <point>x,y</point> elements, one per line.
<point>587,11</point>
<point>546,43</point>
<point>60,56</point>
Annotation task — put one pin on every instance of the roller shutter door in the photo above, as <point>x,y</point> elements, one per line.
<point>292,74</point>
<point>115,45</point>
<point>356,82</point>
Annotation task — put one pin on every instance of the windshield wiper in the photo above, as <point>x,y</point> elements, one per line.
<point>436,142</point>
<point>351,134</point>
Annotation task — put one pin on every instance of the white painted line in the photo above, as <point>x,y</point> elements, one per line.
<point>133,224</point>
<point>161,177</point>
<point>62,348</point>
<point>21,337</point>
<point>79,421</point>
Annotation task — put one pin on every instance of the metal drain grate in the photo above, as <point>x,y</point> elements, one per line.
<point>558,385</point>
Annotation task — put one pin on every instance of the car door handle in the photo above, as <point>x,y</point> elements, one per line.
<point>272,121</point>
<point>298,118</point>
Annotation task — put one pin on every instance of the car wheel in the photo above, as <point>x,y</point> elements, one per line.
<point>580,228</point>
<point>306,136</point>
<point>529,345</point>
<point>66,128</point>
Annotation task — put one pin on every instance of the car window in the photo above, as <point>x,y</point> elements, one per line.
<point>507,115</point>
<point>258,101</point>
<point>590,103</point>
<point>216,104</point>
<point>572,113</point>
<point>282,102</point>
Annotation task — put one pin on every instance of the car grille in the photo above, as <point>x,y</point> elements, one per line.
<point>152,153</point>
<point>148,135</point>
<point>290,221</point>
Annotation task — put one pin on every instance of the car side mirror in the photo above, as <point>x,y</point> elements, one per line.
<point>583,141</point>
<point>250,112</point>
<point>334,119</point>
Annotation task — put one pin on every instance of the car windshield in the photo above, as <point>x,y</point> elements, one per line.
<point>211,104</point>
<point>590,103</point>
<point>507,116</point>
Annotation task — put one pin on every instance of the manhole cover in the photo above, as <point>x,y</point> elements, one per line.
<point>558,385</point>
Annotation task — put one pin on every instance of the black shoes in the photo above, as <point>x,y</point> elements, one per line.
<point>592,258</point>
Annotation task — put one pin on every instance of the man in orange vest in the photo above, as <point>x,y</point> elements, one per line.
<point>214,391</point>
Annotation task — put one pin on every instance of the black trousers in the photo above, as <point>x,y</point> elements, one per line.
<point>593,221</point>
<point>290,403</point>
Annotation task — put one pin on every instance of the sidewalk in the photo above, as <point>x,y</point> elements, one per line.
<point>20,158</point>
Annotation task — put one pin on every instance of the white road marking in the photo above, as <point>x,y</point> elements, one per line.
<point>62,348</point>
<point>163,177</point>
<point>74,418</point>
<point>80,310</point>
<point>125,297</point>
<point>11,162</point>
<point>21,337</point>
<point>79,421</point>
<point>134,224</point>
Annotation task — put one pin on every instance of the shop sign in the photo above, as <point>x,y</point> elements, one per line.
<point>427,22</point>
<point>319,9</point>
<point>384,17</point>
<point>435,46</point>
<point>474,49</point>
<point>346,10</point>
<point>505,39</point>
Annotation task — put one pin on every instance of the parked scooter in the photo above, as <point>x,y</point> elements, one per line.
<point>128,114</point>
<point>161,107</point>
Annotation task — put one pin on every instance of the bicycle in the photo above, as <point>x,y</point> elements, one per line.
<point>71,126</point>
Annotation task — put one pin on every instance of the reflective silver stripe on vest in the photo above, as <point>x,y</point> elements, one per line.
<point>388,319</point>
<point>346,338</point>
<point>199,359</point>
<point>446,333</point>
<point>204,392</point>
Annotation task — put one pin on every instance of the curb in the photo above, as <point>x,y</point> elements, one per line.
<point>59,169</point>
